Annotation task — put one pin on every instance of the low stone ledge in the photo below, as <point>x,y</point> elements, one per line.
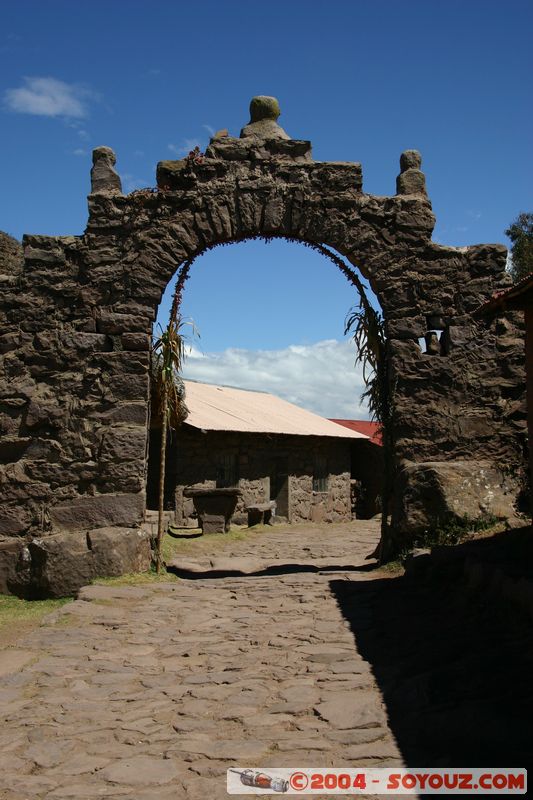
<point>98,511</point>
<point>59,565</point>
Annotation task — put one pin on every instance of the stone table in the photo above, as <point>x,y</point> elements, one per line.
<point>214,507</point>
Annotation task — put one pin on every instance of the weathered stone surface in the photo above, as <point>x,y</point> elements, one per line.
<point>58,565</point>
<point>135,696</point>
<point>410,159</point>
<point>141,771</point>
<point>123,444</point>
<point>349,710</point>
<point>135,341</point>
<point>411,179</point>
<point>14,566</point>
<point>14,521</point>
<point>61,564</point>
<point>443,492</point>
<point>264,111</point>
<point>77,313</point>
<point>119,550</point>
<point>13,660</point>
<point>104,177</point>
<point>99,511</point>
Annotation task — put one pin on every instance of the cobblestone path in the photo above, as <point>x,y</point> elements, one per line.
<point>153,691</point>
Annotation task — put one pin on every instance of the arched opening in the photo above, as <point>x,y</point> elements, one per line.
<point>271,317</point>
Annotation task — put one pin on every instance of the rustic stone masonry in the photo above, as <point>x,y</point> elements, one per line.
<point>76,315</point>
<point>195,458</point>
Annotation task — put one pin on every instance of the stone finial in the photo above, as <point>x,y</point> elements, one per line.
<point>104,177</point>
<point>264,112</point>
<point>411,179</point>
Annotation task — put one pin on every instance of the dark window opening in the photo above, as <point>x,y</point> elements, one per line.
<point>320,474</point>
<point>227,470</point>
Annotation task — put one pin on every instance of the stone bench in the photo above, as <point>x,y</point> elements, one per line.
<point>261,513</point>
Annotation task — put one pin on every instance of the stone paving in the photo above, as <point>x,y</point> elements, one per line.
<point>153,691</point>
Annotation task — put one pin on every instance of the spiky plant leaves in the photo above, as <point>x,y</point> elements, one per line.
<point>168,355</point>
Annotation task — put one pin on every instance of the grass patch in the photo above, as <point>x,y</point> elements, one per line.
<point>393,567</point>
<point>190,544</point>
<point>19,617</point>
<point>187,543</point>
<point>137,579</point>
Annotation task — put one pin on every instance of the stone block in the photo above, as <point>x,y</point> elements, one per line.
<point>129,413</point>
<point>405,328</point>
<point>14,521</point>
<point>283,150</point>
<point>13,448</point>
<point>124,444</point>
<point>115,323</point>
<point>9,341</point>
<point>85,342</point>
<point>60,564</point>
<point>104,177</point>
<point>135,341</point>
<point>14,567</point>
<point>41,412</point>
<point>117,551</point>
<point>412,181</point>
<point>98,511</point>
<point>433,493</point>
<point>339,176</point>
<point>456,336</point>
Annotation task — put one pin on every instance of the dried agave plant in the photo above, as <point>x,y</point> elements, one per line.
<point>366,325</point>
<point>168,354</point>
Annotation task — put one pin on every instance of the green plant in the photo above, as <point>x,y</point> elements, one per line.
<point>454,530</point>
<point>520,233</point>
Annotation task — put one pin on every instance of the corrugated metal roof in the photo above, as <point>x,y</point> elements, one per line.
<point>504,298</point>
<point>224,408</point>
<point>370,429</point>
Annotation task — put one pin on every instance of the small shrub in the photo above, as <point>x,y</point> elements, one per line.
<point>453,531</point>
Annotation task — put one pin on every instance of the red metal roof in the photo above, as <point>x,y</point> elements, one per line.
<point>505,296</point>
<point>370,429</point>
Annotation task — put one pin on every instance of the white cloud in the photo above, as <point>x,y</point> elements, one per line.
<point>49,97</point>
<point>79,151</point>
<point>320,377</point>
<point>211,131</point>
<point>185,148</point>
<point>131,182</point>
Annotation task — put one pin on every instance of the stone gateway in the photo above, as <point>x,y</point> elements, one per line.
<point>77,314</point>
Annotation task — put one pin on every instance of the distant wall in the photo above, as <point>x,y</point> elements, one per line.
<point>196,459</point>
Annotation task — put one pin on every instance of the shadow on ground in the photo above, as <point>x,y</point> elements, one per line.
<point>281,569</point>
<point>455,668</point>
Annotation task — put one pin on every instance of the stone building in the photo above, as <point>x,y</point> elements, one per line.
<point>269,448</point>
<point>367,467</point>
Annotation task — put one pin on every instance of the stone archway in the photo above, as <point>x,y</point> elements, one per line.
<point>78,312</point>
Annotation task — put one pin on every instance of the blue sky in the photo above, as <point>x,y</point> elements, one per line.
<point>363,79</point>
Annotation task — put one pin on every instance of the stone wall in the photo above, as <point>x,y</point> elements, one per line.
<point>76,321</point>
<point>195,457</point>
